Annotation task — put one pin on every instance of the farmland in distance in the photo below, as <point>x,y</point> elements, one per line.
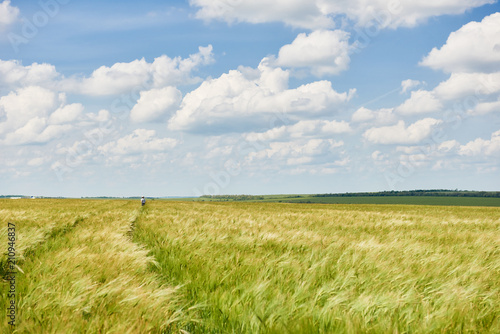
<point>220,267</point>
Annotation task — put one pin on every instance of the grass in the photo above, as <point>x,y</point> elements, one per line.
<point>89,278</point>
<point>316,269</point>
<point>206,267</point>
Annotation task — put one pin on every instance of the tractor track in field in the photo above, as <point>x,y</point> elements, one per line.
<point>49,236</point>
<point>54,234</point>
<point>31,250</point>
<point>131,230</point>
<point>94,262</point>
<point>59,232</point>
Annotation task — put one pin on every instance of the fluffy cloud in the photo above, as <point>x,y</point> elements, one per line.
<point>476,93</point>
<point>66,114</point>
<point>8,14</point>
<point>14,74</point>
<point>472,56</point>
<point>379,156</point>
<point>480,147</point>
<point>118,78</point>
<point>407,85</point>
<point>177,71</point>
<point>421,101</point>
<point>362,115</point>
<point>485,108</point>
<point>332,127</point>
<point>139,74</point>
<point>400,134</point>
<point>381,116</point>
<point>473,48</point>
<point>448,146</point>
<point>134,76</point>
<point>461,85</point>
<point>138,142</point>
<point>302,129</point>
<point>393,14</point>
<point>297,152</point>
<point>324,52</point>
<point>296,13</point>
<point>155,104</point>
<point>246,98</point>
<point>25,104</point>
<point>35,115</point>
<point>317,14</point>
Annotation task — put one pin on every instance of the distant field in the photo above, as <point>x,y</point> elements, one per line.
<point>111,266</point>
<point>406,200</point>
<point>412,200</point>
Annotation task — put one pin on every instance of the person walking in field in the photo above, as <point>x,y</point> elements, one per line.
<point>143,201</point>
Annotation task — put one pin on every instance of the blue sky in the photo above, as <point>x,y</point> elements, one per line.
<point>165,98</point>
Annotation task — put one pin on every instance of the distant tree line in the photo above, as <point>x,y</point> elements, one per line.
<point>433,192</point>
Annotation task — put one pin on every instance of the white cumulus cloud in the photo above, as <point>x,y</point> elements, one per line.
<point>305,128</point>
<point>139,141</point>
<point>324,52</point>
<point>243,99</point>
<point>8,14</point>
<point>380,116</point>
<point>463,85</point>
<point>485,108</point>
<point>155,104</point>
<point>139,74</point>
<point>482,147</point>
<point>473,48</point>
<point>296,13</point>
<point>297,152</point>
<point>400,134</point>
<point>66,114</point>
<point>13,74</point>
<point>35,115</point>
<point>420,101</point>
<point>319,14</point>
<point>407,85</point>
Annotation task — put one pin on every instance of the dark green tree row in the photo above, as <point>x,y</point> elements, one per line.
<point>433,192</point>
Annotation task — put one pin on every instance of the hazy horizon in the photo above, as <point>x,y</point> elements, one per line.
<point>239,97</point>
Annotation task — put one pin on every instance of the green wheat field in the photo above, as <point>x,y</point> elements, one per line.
<point>111,266</point>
